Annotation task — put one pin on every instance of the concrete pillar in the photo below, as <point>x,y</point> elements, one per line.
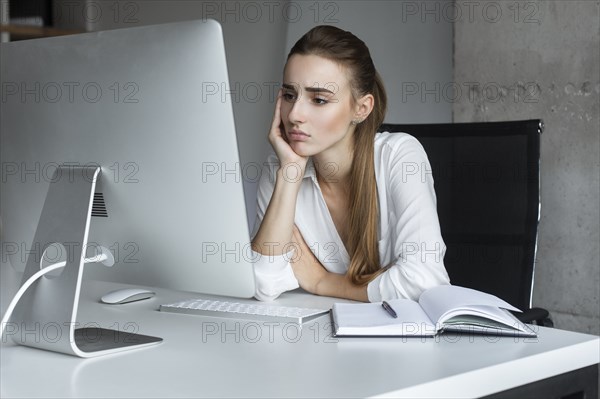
<point>540,59</point>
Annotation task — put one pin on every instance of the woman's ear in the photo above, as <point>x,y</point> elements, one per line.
<point>363,107</point>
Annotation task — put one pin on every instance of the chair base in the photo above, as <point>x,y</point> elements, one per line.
<point>538,316</point>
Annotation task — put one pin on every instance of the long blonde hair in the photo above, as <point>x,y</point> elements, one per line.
<point>349,51</point>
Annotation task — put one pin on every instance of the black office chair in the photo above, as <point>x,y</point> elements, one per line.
<point>488,191</point>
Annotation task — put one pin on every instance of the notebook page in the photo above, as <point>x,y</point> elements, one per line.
<point>441,299</point>
<point>372,319</point>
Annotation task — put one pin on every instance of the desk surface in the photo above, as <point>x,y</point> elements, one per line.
<point>204,356</point>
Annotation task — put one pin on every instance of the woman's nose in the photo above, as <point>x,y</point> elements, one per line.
<point>297,112</point>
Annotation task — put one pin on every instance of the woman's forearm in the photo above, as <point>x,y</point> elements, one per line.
<point>314,278</point>
<point>340,286</point>
<point>275,232</point>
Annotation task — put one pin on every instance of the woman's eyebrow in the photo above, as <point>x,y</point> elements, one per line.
<point>288,86</point>
<point>310,89</point>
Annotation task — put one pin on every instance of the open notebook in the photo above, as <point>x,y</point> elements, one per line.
<point>439,309</point>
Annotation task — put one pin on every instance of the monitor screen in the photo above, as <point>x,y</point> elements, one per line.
<point>147,105</point>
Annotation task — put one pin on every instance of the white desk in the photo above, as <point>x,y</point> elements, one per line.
<point>203,356</point>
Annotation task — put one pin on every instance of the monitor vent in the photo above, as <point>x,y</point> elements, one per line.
<point>99,206</point>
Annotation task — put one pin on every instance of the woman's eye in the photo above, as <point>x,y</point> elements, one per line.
<point>289,97</point>
<point>320,101</point>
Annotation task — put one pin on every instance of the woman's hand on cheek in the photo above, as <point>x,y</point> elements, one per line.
<point>278,141</point>
<point>307,268</point>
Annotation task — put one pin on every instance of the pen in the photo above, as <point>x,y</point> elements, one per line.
<point>389,309</point>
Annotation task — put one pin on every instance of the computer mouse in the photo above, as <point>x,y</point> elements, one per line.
<point>126,295</point>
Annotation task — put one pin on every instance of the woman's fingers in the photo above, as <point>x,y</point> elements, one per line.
<point>279,141</point>
<point>276,123</point>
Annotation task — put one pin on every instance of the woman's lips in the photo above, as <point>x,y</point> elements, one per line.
<point>297,135</point>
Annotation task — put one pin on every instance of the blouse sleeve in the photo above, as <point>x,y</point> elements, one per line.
<point>273,275</point>
<point>418,258</point>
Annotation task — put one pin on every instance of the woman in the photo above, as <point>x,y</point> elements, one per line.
<point>343,211</point>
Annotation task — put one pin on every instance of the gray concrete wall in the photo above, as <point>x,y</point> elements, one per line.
<point>540,59</point>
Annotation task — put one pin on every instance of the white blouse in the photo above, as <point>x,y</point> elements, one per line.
<point>409,229</point>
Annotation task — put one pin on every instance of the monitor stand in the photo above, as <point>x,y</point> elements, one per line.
<point>45,317</point>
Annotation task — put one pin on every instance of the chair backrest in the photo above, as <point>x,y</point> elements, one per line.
<point>487,185</point>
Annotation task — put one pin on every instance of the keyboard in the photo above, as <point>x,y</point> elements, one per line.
<point>249,311</point>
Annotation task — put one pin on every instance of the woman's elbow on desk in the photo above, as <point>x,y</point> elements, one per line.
<point>273,275</point>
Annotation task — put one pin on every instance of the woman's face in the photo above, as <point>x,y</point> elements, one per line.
<point>317,107</point>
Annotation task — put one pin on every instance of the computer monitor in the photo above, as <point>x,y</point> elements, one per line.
<point>149,106</point>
